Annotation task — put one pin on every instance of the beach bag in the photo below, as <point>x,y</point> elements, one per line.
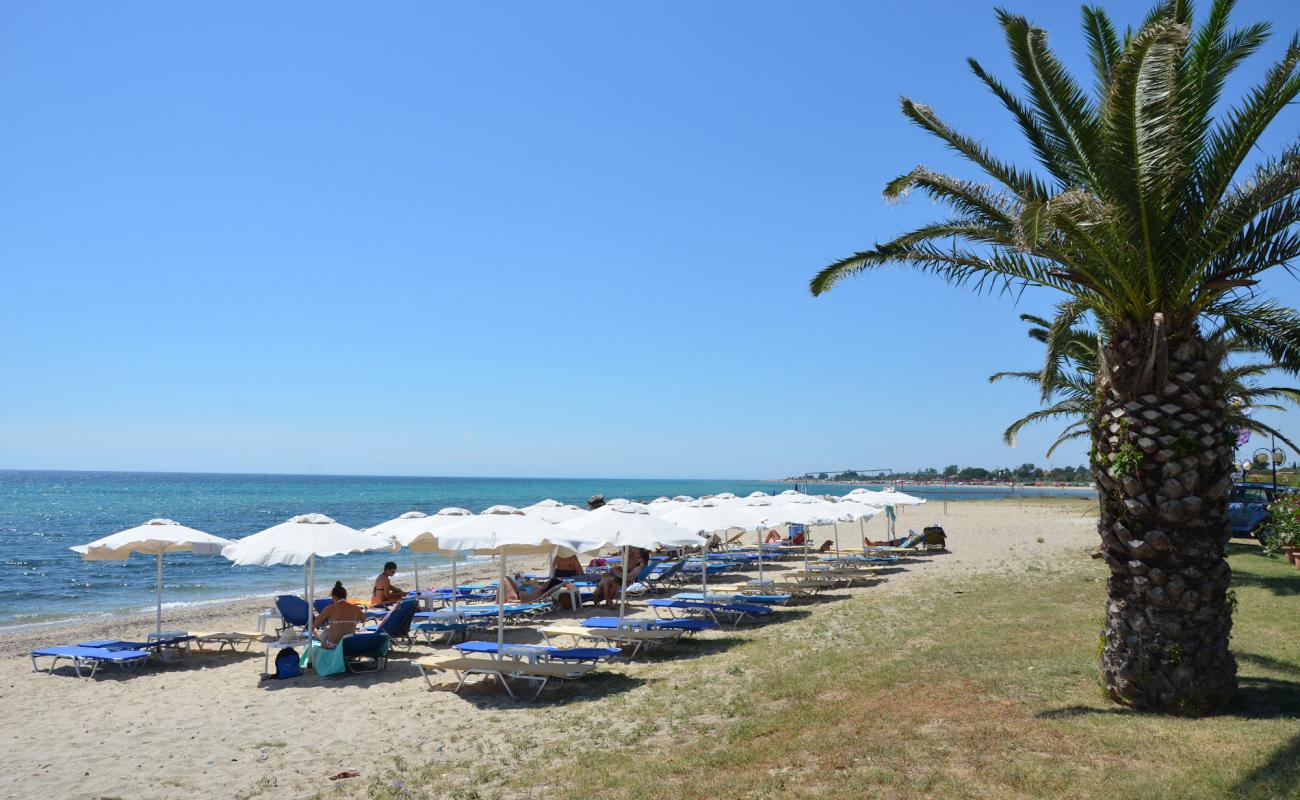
<point>287,664</point>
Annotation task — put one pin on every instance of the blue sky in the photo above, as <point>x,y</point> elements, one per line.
<point>498,239</point>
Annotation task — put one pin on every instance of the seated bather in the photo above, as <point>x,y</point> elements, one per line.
<point>339,618</point>
<point>611,584</point>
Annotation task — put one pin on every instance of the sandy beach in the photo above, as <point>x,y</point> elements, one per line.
<point>210,726</point>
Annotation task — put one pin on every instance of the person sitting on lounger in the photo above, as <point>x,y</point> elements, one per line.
<point>612,582</point>
<point>562,569</point>
<point>826,546</point>
<point>339,618</point>
<point>513,594</point>
<point>385,592</point>
<point>772,537</point>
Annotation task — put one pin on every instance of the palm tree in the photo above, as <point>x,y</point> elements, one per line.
<point>1145,213</point>
<point>1066,384</point>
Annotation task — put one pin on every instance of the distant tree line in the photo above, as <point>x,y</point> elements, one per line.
<point>1025,473</point>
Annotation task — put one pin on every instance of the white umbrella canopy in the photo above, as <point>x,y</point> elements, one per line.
<point>711,516</point>
<point>683,498</point>
<point>505,531</point>
<point>630,525</point>
<point>156,538</point>
<point>893,497</point>
<point>791,496</point>
<point>553,511</point>
<point>300,540</point>
<point>659,509</point>
<point>417,532</point>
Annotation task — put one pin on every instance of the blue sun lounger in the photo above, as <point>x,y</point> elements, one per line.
<point>509,609</point>
<point>171,648</point>
<point>685,625</point>
<point>537,651</point>
<point>736,611</point>
<point>91,657</point>
<point>761,599</point>
<point>450,628</point>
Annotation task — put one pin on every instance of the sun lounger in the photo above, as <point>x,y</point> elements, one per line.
<point>91,657</point>
<point>167,647</point>
<point>631,639</point>
<point>397,622</point>
<point>231,639</point>
<point>665,573</point>
<point>540,673</point>
<point>738,597</point>
<point>350,654</point>
<point>736,612</point>
<point>536,652</point>
<point>293,612</point>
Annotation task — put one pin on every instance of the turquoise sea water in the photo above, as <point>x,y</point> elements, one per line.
<point>42,514</point>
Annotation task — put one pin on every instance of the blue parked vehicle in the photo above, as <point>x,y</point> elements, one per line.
<point>1248,507</point>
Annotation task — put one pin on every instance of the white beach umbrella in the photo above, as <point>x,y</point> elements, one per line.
<point>683,498</point>
<point>301,540</point>
<point>659,509</point>
<point>157,537</point>
<point>897,498</point>
<point>417,532</point>
<point>505,531</point>
<point>797,513</point>
<point>553,511</point>
<point>710,516</point>
<point>629,525</point>
<point>866,499</point>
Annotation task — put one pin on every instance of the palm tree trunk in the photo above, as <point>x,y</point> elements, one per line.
<point>1162,459</point>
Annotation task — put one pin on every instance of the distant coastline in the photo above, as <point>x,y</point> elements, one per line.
<point>1000,485</point>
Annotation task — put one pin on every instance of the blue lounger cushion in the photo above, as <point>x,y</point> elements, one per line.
<point>556,653</point>
<point>738,608</point>
<point>692,625</point>
<point>96,653</point>
<point>761,599</point>
<point>94,656</point>
<point>118,644</point>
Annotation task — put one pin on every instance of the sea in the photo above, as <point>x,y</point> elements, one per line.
<point>43,513</point>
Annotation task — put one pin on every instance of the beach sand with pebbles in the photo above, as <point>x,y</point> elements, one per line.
<point>210,726</point>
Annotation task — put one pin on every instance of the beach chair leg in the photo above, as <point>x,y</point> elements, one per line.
<point>541,684</point>
<point>505,684</point>
<point>424,674</point>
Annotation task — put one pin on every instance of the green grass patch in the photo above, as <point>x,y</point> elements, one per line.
<point>990,692</point>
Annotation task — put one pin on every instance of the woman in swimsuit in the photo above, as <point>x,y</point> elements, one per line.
<point>385,592</point>
<point>339,618</point>
<point>612,583</point>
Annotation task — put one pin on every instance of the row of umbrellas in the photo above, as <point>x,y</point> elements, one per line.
<point>502,531</point>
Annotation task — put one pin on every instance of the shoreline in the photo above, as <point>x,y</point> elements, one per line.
<point>259,598</point>
<point>215,728</point>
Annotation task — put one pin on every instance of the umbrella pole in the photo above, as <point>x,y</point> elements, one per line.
<point>454,591</point>
<point>760,556</point>
<point>622,595</point>
<point>837,541</point>
<point>311,604</point>
<point>159,592</point>
<point>415,559</point>
<point>501,606</point>
<point>704,572</point>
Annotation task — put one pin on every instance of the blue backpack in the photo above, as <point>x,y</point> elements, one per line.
<point>287,664</point>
